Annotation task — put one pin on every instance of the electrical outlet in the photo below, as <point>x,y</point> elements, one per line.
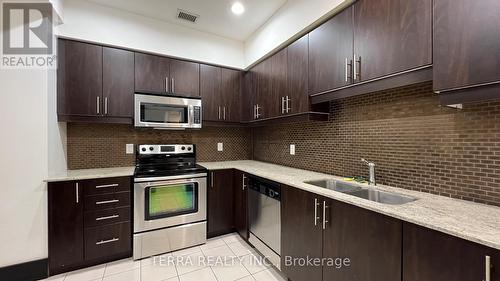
<point>292,149</point>
<point>220,146</point>
<point>129,148</point>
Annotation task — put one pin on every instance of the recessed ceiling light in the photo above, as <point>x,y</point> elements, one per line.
<point>238,8</point>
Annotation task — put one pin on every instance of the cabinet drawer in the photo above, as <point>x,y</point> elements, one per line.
<point>108,216</point>
<point>106,185</point>
<point>107,201</point>
<point>109,240</point>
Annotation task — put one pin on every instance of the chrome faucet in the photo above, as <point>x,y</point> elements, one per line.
<point>371,170</point>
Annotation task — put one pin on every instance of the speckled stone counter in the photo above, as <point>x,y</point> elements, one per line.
<point>471,221</point>
<point>92,174</point>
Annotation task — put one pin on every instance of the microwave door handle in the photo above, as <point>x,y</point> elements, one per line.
<point>191,115</point>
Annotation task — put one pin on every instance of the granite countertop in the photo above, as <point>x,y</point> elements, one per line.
<point>91,174</point>
<point>468,220</point>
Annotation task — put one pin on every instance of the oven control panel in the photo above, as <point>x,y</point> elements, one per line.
<point>166,149</point>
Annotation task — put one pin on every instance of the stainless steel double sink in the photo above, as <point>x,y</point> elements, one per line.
<point>361,192</point>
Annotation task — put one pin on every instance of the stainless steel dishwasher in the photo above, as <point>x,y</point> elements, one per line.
<point>264,208</point>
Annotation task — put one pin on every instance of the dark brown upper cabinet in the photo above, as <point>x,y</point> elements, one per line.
<point>210,89</point>
<point>466,44</point>
<point>221,93</point>
<point>95,84</point>
<point>220,218</point>
<point>274,105</point>
<point>65,214</point>
<point>262,96</point>
<point>331,53</point>
<point>391,36</point>
<point>231,94</point>
<point>371,241</point>
<point>241,204</point>
<point>296,99</point>
<point>79,79</point>
<point>185,78</point>
<point>301,232</point>
<point>152,73</point>
<point>248,111</point>
<point>161,74</point>
<point>118,83</point>
<point>432,255</point>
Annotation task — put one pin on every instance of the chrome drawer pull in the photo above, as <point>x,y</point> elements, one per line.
<point>107,218</point>
<point>107,185</point>
<point>487,272</point>
<point>107,202</point>
<point>107,241</point>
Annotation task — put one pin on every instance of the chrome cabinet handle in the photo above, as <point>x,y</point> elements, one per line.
<point>218,109</point>
<point>166,84</point>
<point>324,215</point>
<point>107,202</point>
<point>316,205</point>
<point>212,179</point>
<point>243,182</point>
<point>106,185</point>
<point>257,107</point>
<point>98,106</point>
<point>487,269</point>
<point>288,108</point>
<point>348,66</point>
<point>282,105</point>
<point>255,112</point>
<point>77,189</point>
<point>173,85</point>
<point>107,241</point>
<point>224,112</point>
<point>357,70</point>
<point>106,106</point>
<point>107,218</point>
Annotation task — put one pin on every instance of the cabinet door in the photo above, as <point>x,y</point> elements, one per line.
<point>278,81</point>
<point>391,36</point>
<point>65,218</point>
<point>466,43</point>
<point>210,88</point>
<point>262,73</point>
<point>240,204</point>
<point>79,78</point>
<point>185,78</point>
<point>432,255</point>
<point>231,95</point>
<point>118,82</point>
<point>301,233</point>
<point>248,99</point>
<point>297,88</point>
<point>220,203</point>
<point>152,73</point>
<point>330,45</point>
<point>371,242</point>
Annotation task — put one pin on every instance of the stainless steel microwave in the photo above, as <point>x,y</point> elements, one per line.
<point>167,112</point>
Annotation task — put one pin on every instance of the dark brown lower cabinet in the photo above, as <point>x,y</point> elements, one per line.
<point>349,243</point>
<point>432,255</point>
<point>65,214</point>
<point>220,203</point>
<point>240,204</point>
<point>89,223</point>
<point>301,233</point>
<point>370,243</point>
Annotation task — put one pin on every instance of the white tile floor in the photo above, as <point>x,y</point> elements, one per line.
<point>224,258</point>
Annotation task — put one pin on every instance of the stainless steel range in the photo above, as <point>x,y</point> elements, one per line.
<point>170,196</point>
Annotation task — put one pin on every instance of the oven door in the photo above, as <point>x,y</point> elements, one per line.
<point>167,203</point>
<point>167,112</point>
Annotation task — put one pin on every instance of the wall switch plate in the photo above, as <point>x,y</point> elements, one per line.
<point>129,148</point>
<point>220,146</point>
<point>292,149</point>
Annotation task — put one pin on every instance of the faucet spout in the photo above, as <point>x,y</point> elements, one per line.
<point>371,171</point>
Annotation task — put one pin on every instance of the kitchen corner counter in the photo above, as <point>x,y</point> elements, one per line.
<point>85,174</point>
<point>468,220</point>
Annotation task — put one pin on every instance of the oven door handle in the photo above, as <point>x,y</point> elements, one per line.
<point>145,185</point>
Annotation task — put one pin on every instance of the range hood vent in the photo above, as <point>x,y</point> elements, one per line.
<point>187,16</point>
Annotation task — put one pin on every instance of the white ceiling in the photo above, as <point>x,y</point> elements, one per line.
<point>215,15</point>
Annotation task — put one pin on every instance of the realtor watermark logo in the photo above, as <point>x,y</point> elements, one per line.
<point>27,37</point>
